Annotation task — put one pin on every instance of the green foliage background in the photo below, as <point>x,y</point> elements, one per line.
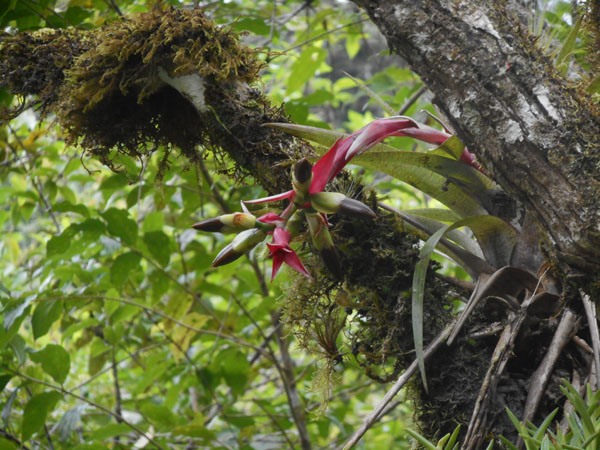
<point>115,330</point>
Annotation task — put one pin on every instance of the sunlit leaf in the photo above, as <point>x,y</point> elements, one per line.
<point>36,411</point>
<point>55,361</point>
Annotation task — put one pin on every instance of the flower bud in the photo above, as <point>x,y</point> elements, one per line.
<point>302,178</point>
<point>242,243</point>
<point>322,241</point>
<point>227,223</point>
<point>335,202</point>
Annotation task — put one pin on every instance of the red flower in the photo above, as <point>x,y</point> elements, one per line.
<point>344,149</point>
<point>282,253</point>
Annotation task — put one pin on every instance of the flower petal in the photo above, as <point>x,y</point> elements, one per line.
<point>272,198</point>
<point>292,260</point>
<point>376,131</point>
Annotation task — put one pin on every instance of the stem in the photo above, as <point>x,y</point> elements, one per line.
<point>288,378</point>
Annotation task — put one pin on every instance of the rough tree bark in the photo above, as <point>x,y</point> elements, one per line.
<point>536,133</point>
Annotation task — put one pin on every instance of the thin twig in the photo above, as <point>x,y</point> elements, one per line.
<point>291,389</point>
<point>36,182</point>
<point>113,5</point>
<point>590,312</point>
<point>412,99</point>
<point>277,425</point>
<point>321,36</point>
<point>109,368</point>
<point>213,188</point>
<point>377,412</point>
<point>115,372</point>
<point>85,400</point>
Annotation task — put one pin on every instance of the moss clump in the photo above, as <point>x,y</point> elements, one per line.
<point>104,85</point>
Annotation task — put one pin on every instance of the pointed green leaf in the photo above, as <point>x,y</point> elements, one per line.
<point>421,439</point>
<point>44,315</point>
<point>159,245</point>
<point>36,411</point>
<point>439,214</point>
<point>539,433</point>
<point>569,44</point>
<point>55,361</point>
<point>122,266</point>
<point>60,243</point>
<point>120,225</point>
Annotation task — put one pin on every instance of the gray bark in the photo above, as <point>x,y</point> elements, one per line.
<point>536,133</point>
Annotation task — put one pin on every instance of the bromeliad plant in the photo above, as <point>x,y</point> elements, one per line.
<point>309,202</point>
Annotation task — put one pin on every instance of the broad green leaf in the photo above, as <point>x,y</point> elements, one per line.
<point>154,221</point>
<point>70,207</point>
<point>120,225</point>
<point>92,226</point>
<point>60,243</point>
<point>5,444</point>
<point>55,361</point>
<point>44,315</point>
<point>304,68</point>
<point>36,411</point>
<point>459,186</point>
<point>159,415</point>
<point>159,245</point>
<point>122,266</point>
<point>16,310</point>
<point>235,369</point>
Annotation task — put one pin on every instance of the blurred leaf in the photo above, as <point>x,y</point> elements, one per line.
<point>122,266</point>
<point>44,315</point>
<point>70,207</point>
<point>55,361</point>
<point>108,431</point>
<point>60,243</point>
<point>70,421</point>
<point>36,411</point>
<point>120,225</point>
<point>15,311</point>
<point>304,68</point>
<point>159,245</point>
<point>159,415</point>
<point>4,379</point>
<point>235,369</point>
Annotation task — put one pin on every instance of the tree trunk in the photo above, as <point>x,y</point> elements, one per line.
<point>536,133</point>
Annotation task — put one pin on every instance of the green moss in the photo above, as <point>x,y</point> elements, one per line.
<point>104,85</point>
